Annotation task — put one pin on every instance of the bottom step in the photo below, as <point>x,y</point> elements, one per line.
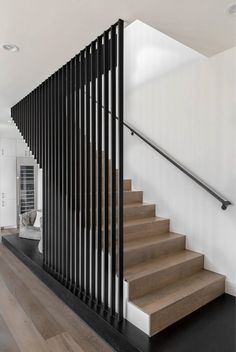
<point>170,304</point>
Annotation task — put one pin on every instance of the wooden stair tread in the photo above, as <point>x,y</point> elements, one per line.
<point>138,205</point>
<point>129,223</point>
<point>158,300</point>
<point>151,266</point>
<point>150,240</point>
<point>154,219</point>
<point>129,191</point>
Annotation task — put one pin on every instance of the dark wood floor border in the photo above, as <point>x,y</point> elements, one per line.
<point>125,338</point>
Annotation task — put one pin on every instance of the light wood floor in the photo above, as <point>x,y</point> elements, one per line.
<point>33,319</point>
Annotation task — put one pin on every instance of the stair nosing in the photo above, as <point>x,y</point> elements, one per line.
<point>139,205</point>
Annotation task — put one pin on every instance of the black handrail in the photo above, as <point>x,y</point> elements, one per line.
<point>196,179</point>
<point>225,203</point>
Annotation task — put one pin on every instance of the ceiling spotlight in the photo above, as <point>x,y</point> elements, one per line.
<point>232,9</point>
<point>10,47</point>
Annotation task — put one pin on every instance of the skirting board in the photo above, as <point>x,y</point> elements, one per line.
<point>230,288</point>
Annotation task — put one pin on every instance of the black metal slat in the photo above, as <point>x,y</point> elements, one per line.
<point>34,107</point>
<point>35,122</point>
<point>113,169</point>
<point>15,114</point>
<point>20,121</point>
<point>52,171</point>
<point>106,169</point>
<point>77,171</point>
<point>44,172</point>
<point>88,176</point>
<point>24,108</point>
<point>30,124</point>
<point>16,118</point>
<point>59,173</point>
<point>25,136</point>
<point>49,146</point>
<point>24,119</point>
<point>72,168</point>
<point>99,168</point>
<point>21,118</point>
<point>55,178</point>
<point>46,213</point>
<point>93,168</point>
<point>40,126</point>
<point>33,112</point>
<point>28,119</point>
<point>120,168</point>
<point>64,168</point>
<point>82,168</point>
<point>67,153</point>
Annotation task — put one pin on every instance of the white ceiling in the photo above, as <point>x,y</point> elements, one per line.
<point>50,32</point>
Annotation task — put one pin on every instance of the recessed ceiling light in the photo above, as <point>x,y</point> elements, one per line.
<point>10,47</point>
<point>232,9</point>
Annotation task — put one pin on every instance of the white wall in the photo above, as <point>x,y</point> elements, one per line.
<point>190,111</point>
<point>9,131</point>
<point>12,135</point>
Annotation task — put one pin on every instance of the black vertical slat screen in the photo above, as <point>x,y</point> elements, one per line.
<point>73,125</point>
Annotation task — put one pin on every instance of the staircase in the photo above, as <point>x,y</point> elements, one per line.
<point>164,280</point>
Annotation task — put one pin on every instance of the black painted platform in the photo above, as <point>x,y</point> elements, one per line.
<point>210,329</point>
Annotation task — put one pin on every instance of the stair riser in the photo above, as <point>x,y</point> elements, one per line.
<point>139,255</point>
<point>133,213</point>
<point>149,229</point>
<point>127,185</point>
<point>135,232</point>
<point>141,212</point>
<point>169,315</point>
<point>157,280</point>
<point>129,197</point>
<point>133,197</point>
